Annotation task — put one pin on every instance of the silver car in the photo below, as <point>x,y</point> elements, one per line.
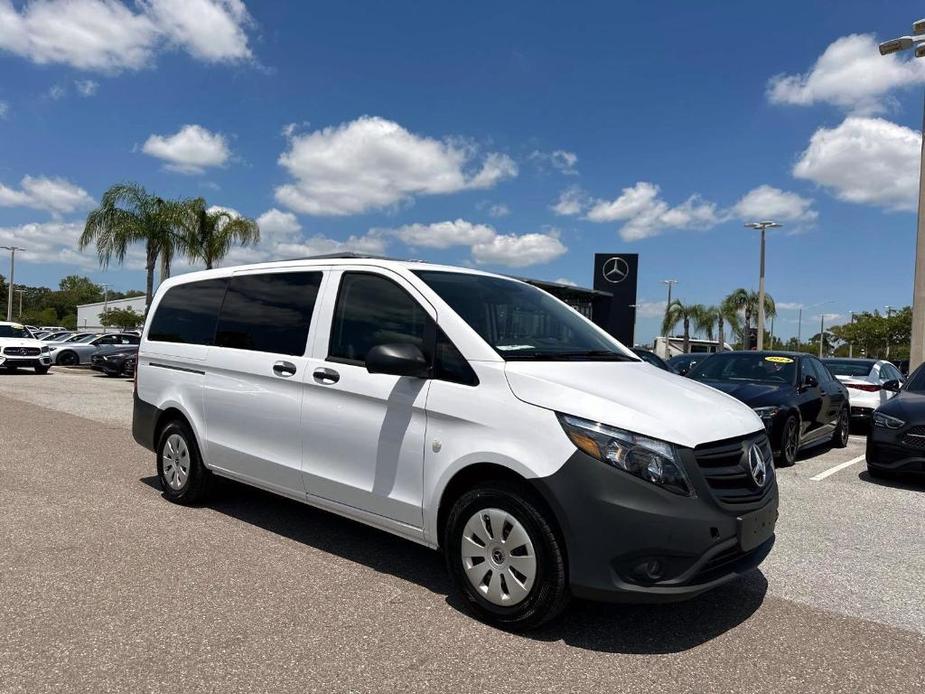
<point>79,352</point>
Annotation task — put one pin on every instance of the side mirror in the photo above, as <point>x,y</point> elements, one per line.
<point>893,386</point>
<point>397,359</point>
<point>810,381</point>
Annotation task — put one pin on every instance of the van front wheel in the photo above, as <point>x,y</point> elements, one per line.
<point>505,557</point>
<point>183,477</point>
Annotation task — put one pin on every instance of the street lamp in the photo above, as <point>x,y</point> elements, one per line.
<point>761,226</point>
<point>20,292</point>
<point>917,348</point>
<point>9,303</point>
<point>669,283</point>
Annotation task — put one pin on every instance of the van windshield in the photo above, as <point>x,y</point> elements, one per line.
<point>520,321</point>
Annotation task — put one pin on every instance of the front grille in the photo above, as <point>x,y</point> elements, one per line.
<point>724,467</point>
<point>22,351</point>
<point>915,437</point>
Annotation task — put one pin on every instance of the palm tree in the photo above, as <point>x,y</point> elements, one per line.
<point>677,312</point>
<point>209,233</point>
<point>129,214</point>
<point>706,317</point>
<point>746,302</point>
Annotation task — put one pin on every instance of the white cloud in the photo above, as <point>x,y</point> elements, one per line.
<point>444,234</point>
<point>190,150</point>
<point>865,160</point>
<point>572,201</point>
<point>4,109</point>
<point>373,163</point>
<point>86,87</point>
<point>651,309</point>
<point>57,92</point>
<point>279,224</point>
<point>645,214</point>
<point>566,281</point>
<point>108,36</point>
<point>49,242</point>
<point>55,195</point>
<point>499,210</point>
<point>767,202</point>
<point>561,160</point>
<point>850,74</point>
<point>521,250</point>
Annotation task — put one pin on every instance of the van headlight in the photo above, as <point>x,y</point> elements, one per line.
<point>648,459</point>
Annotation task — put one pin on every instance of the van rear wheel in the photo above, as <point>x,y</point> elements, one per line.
<point>183,477</point>
<point>505,557</point>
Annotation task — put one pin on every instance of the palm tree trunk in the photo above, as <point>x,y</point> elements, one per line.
<point>722,335</point>
<point>150,262</point>
<point>747,339</point>
<point>687,335</point>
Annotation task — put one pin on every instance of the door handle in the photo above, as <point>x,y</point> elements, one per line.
<point>326,376</point>
<point>284,369</point>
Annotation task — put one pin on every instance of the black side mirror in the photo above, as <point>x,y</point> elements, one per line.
<point>893,386</point>
<point>810,381</point>
<point>397,359</point>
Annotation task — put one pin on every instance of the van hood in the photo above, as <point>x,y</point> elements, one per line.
<point>634,396</point>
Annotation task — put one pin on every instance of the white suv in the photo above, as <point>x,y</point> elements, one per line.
<point>19,348</point>
<point>461,410</point>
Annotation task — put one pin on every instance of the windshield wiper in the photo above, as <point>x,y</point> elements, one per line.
<point>578,355</point>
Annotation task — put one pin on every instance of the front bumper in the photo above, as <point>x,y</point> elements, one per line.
<point>616,525</point>
<point>25,362</point>
<point>886,451</point>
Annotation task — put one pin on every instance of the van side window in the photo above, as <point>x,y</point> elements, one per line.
<point>372,310</point>
<point>268,312</point>
<point>188,312</point>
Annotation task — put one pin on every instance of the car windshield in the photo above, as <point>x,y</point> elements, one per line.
<point>858,369</point>
<point>14,331</point>
<point>522,322</point>
<point>760,368</point>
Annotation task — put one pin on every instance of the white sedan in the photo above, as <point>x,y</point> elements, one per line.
<point>865,380</point>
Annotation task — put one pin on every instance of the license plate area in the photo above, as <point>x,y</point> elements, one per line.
<point>756,528</point>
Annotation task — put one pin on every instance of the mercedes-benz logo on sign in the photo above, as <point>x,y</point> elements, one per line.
<point>616,270</point>
<point>757,468</point>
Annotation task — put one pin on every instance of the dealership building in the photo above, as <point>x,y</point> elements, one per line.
<point>88,315</point>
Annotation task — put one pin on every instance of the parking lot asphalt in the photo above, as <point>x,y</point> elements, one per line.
<point>107,587</point>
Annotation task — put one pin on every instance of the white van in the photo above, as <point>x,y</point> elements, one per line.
<point>462,410</point>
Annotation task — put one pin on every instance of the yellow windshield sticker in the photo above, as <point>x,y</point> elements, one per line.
<point>779,360</point>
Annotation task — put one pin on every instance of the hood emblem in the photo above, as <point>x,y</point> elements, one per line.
<point>757,467</point>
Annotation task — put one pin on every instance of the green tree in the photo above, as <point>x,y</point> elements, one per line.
<point>745,302</point>
<point>124,318</point>
<point>678,312</point>
<point>210,232</point>
<point>129,214</point>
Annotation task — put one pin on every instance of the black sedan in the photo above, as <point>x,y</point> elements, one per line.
<point>799,401</point>
<point>682,363</point>
<point>116,363</point>
<point>652,358</point>
<point>896,442</point>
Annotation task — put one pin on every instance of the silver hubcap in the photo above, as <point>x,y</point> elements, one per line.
<point>175,461</point>
<point>498,557</point>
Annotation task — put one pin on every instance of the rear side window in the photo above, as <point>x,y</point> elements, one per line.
<point>188,313</point>
<point>372,310</point>
<point>268,312</point>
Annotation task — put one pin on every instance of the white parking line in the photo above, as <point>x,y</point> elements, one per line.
<point>833,470</point>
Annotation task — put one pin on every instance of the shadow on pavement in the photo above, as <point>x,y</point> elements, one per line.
<point>611,628</point>
<point>911,481</point>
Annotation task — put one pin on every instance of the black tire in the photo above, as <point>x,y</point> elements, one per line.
<point>41,370</point>
<point>840,435</point>
<point>789,444</point>
<point>195,486</point>
<point>67,358</point>
<point>548,594</point>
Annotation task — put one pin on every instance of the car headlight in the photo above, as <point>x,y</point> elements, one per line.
<point>885,421</point>
<point>45,350</point>
<point>648,459</point>
<point>766,413</point>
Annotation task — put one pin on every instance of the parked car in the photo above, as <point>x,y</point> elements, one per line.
<point>116,362</point>
<point>799,401</point>
<point>896,442</point>
<point>19,349</point>
<point>57,336</point>
<point>464,411</point>
<point>79,352</point>
<point>683,363</point>
<point>865,379</point>
<point>652,358</point>
<point>52,328</point>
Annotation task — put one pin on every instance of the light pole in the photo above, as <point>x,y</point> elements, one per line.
<point>917,348</point>
<point>20,292</point>
<point>821,332</point>
<point>9,303</point>
<point>762,227</point>
<point>800,328</point>
<point>669,283</point>
<point>851,344</point>
<point>105,300</point>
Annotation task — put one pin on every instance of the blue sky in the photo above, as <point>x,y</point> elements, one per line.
<point>517,137</point>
